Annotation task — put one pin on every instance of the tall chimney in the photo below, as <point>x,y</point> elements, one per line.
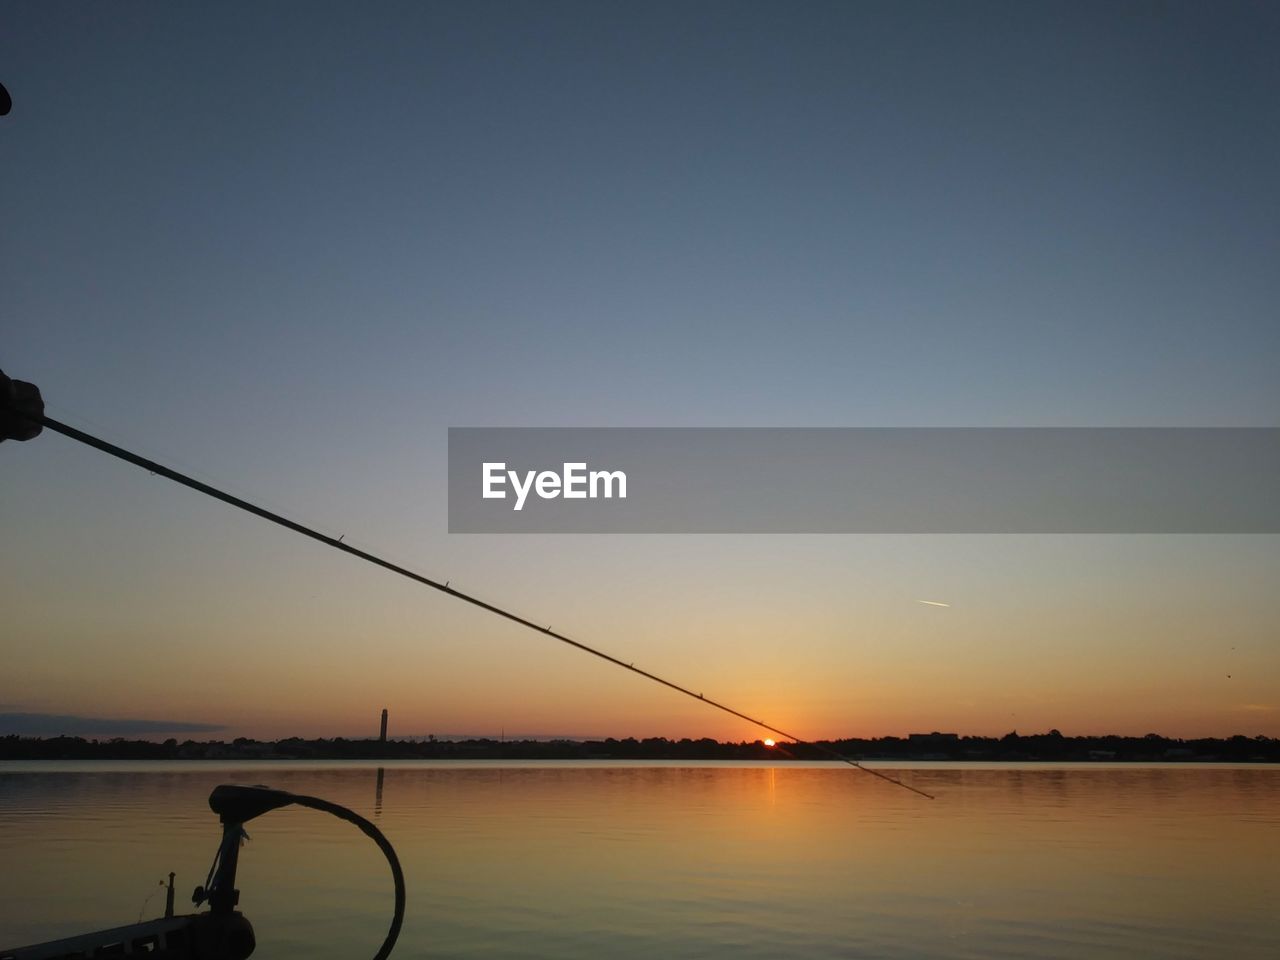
<point>383,736</point>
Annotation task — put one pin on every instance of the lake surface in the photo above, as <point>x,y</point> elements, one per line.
<point>548,860</point>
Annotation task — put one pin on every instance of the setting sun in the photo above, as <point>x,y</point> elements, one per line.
<point>768,742</point>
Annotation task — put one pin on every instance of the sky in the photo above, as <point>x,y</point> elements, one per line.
<point>285,247</point>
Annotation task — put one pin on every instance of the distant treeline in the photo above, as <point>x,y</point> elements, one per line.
<point>1051,746</point>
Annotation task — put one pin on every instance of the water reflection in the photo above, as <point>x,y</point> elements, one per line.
<point>546,860</point>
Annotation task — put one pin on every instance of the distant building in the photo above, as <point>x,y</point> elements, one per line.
<point>383,735</point>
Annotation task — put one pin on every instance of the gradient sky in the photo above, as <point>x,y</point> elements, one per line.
<point>284,246</point>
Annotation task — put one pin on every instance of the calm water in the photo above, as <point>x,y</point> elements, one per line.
<point>679,861</point>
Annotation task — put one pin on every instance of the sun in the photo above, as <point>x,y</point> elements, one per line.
<point>768,742</point>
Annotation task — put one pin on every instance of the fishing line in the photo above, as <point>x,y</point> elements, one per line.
<point>338,544</point>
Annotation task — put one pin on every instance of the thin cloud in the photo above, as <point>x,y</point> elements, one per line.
<point>934,603</point>
<point>69,725</point>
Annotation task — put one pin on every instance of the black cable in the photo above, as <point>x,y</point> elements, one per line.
<point>337,544</point>
<point>374,834</point>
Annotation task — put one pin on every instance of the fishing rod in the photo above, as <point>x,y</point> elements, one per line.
<point>23,400</point>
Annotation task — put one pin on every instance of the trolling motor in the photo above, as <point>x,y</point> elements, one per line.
<point>223,933</point>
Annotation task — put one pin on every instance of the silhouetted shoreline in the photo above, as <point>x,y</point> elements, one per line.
<point>1050,746</point>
